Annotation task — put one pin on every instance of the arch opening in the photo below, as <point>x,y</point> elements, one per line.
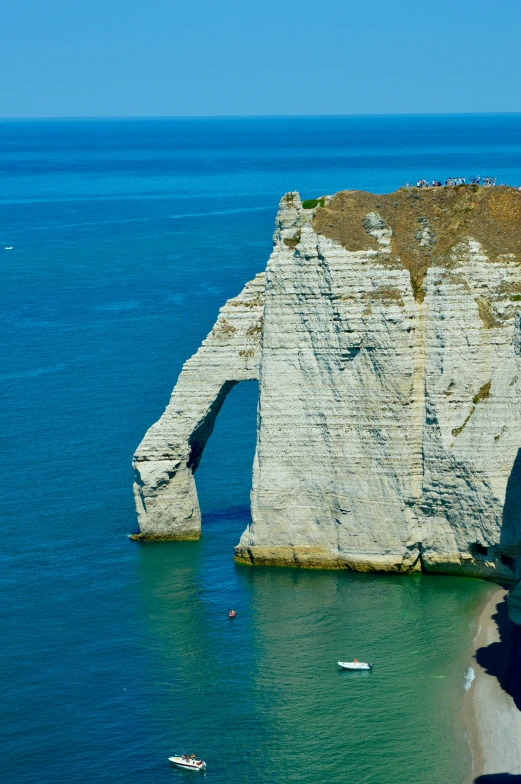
<point>224,472</point>
<point>200,435</point>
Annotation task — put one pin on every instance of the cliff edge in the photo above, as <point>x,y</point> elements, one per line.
<point>386,338</point>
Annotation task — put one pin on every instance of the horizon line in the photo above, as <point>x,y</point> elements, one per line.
<point>108,117</point>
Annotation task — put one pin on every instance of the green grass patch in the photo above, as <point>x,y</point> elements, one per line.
<point>310,204</point>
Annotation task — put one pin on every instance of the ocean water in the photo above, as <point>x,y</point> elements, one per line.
<point>127,237</point>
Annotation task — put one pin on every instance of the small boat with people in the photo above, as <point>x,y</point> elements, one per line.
<point>355,665</point>
<point>188,762</point>
<point>231,613</point>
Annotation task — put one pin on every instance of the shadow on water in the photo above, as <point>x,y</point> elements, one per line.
<point>498,778</point>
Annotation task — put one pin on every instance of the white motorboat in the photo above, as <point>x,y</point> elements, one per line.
<point>355,665</point>
<point>188,763</point>
<point>8,247</point>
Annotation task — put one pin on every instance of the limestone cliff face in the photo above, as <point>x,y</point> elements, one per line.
<point>386,338</point>
<point>165,461</point>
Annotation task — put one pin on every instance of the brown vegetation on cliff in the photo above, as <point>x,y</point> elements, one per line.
<point>427,223</point>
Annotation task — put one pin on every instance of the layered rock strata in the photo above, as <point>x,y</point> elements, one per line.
<point>386,338</point>
<point>165,461</point>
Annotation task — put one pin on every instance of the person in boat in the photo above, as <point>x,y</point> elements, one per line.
<point>192,756</point>
<point>231,613</point>
<point>355,661</point>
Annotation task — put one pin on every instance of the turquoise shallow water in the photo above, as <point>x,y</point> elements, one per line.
<point>265,688</point>
<point>128,236</point>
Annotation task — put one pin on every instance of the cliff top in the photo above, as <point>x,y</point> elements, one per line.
<point>426,223</point>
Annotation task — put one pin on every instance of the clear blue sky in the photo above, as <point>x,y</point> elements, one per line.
<point>76,58</point>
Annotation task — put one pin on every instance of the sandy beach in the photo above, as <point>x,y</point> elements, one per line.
<point>493,721</point>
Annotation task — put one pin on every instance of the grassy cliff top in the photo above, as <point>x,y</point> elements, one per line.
<point>427,223</point>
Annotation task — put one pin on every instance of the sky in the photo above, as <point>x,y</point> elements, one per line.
<point>141,58</point>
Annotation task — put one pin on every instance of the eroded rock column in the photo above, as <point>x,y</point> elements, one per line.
<point>337,421</point>
<point>165,461</point>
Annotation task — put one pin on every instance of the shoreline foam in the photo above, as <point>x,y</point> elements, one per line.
<point>492,720</point>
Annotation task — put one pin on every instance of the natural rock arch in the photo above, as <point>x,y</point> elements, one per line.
<point>390,350</point>
<point>165,461</point>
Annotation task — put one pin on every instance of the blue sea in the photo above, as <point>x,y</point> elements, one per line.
<point>127,236</point>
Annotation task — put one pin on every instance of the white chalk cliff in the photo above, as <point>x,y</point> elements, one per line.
<point>164,491</point>
<point>386,338</point>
